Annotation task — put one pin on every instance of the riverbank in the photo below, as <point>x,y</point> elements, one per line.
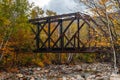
<point>94,71</point>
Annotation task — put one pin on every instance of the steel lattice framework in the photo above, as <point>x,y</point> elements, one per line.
<point>65,34</point>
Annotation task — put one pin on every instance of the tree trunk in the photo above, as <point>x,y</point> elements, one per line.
<point>70,58</point>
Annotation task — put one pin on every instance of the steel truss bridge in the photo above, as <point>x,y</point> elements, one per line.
<point>69,33</point>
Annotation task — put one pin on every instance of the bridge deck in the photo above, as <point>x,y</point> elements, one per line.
<point>74,50</point>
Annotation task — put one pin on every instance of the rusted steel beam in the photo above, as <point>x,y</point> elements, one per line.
<point>78,25</point>
<point>83,44</point>
<point>98,26</point>
<point>64,17</point>
<point>42,43</point>
<point>51,35</point>
<point>61,34</point>
<point>33,30</point>
<point>74,50</point>
<point>68,40</point>
<point>52,21</point>
<point>41,28</point>
<point>37,38</point>
<point>53,17</point>
<point>74,35</point>
<point>64,32</point>
<point>75,41</point>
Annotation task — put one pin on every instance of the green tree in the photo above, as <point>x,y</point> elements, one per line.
<point>37,12</point>
<point>50,13</point>
<point>13,20</point>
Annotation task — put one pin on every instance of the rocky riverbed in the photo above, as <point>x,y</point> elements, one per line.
<point>95,71</point>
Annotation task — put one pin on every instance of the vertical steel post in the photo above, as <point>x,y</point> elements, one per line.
<point>61,34</point>
<point>89,36</point>
<point>49,33</point>
<point>78,25</point>
<point>38,36</point>
<point>74,41</point>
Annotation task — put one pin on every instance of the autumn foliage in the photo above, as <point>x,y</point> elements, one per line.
<point>17,39</point>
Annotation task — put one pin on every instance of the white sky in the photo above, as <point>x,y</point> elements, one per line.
<point>59,6</point>
<point>40,3</point>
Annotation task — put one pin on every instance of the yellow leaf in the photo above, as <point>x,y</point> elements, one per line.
<point>102,2</point>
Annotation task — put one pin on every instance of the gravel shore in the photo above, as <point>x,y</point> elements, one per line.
<point>94,71</point>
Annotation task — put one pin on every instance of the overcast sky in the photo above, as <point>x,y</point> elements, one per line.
<point>59,6</point>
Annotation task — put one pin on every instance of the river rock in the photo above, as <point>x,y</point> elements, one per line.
<point>19,75</point>
<point>85,75</point>
<point>60,78</point>
<point>38,68</point>
<point>72,78</point>
<point>106,78</point>
<point>114,76</point>
<point>95,71</point>
<point>64,78</point>
<point>32,78</point>
<point>78,77</point>
<point>91,77</point>
<point>46,71</point>
<point>78,68</point>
